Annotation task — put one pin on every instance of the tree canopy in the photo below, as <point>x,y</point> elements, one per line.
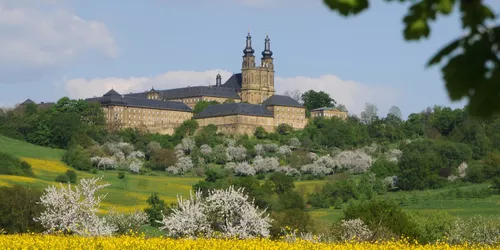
<point>313,100</point>
<point>472,69</point>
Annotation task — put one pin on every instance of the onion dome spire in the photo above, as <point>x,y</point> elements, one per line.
<point>248,51</point>
<point>267,53</point>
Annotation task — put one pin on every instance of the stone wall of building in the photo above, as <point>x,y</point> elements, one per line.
<point>293,116</point>
<point>238,124</point>
<point>153,119</point>
<point>329,113</point>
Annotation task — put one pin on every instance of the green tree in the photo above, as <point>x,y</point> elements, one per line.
<point>201,105</point>
<point>313,100</point>
<point>260,133</point>
<point>473,68</point>
<point>156,208</point>
<point>18,208</point>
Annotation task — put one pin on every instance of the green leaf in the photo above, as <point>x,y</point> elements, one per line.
<point>416,25</point>
<point>448,49</point>
<point>445,6</point>
<point>347,7</point>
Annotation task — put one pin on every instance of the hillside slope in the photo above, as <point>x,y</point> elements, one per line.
<point>125,194</point>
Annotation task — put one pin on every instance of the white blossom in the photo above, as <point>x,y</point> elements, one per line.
<point>74,210</point>
<point>284,150</point>
<point>294,143</point>
<point>125,222</point>
<point>259,149</point>
<point>315,169</point>
<point>230,165</point>
<point>135,166</point>
<point>205,149</point>
<point>179,153</point>
<point>106,163</point>
<point>391,181</point>
<point>119,157</point>
<point>236,153</point>
<point>136,155</point>
<point>188,219</point>
<point>271,147</point>
<point>125,148</point>
<point>228,212</point>
<point>477,229</point>
<point>287,170</point>
<point>354,161</point>
<point>462,169</point>
<point>245,169</point>
<point>312,157</point>
<point>229,142</point>
<point>355,230</point>
<point>327,162</point>
<point>393,155</point>
<point>153,147</point>
<point>183,164</point>
<point>263,165</point>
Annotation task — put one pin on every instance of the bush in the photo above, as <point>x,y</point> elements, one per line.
<point>72,176</point>
<point>384,168</point>
<point>10,165</point>
<point>382,214</point>
<point>18,206</point>
<point>121,175</point>
<point>62,178</point>
<point>78,158</point>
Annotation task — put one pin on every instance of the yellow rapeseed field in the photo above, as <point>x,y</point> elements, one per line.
<point>36,241</point>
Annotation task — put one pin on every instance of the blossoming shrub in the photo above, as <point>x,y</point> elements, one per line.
<point>74,210</point>
<point>226,213</point>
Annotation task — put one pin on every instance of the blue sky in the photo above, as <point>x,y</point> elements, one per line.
<point>55,48</point>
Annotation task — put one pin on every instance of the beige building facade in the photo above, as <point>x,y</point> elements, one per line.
<point>247,101</point>
<point>328,113</point>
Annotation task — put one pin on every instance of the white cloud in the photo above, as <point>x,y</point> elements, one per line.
<point>36,35</point>
<point>350,93</point>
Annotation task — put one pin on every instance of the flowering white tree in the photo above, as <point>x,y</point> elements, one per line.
<point>187,145</point>
<point>312,157</point>
<point>125,222</point>
<point>236,153</point>
<point>271,147</point>
<point>135,166</point>
<point>284,150</point>
<point>228,212</point>
<point>229,142</point>
<point>315,169</point>
<point>393,155</point>
<point>136,155</point>
<point>354,230</point>
<point>153,147</point>
<point>74,210</point>
<point>183,164</point>
<point>263,165</point>
<point>205,149</point>
<point>354,161</point>
<point>259,149</point>
<point>294,143</point>
<point>103,162</point>
<point>287,170</point>
<point>244,169</point>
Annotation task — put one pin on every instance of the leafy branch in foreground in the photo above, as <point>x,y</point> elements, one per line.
<point>472,68</point>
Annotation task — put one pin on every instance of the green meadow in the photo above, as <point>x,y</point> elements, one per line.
<point>131,193</point>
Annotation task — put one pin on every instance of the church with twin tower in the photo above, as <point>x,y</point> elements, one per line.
<point>257,81</point>
<point>246,101</point>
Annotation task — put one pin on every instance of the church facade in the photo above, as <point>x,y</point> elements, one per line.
<point>247,101</point>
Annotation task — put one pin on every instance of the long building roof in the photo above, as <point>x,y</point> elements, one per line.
<point>281,100</point>
<point>114,98</point>
<point>234,109</point>
<point>227,90</point>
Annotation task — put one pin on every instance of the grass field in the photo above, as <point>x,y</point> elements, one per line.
<point>132,192</point>
<point>125,194</point>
